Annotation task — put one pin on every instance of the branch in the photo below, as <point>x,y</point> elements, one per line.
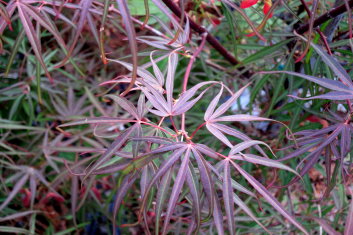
<point>325,17</point>
<point>201,30</point>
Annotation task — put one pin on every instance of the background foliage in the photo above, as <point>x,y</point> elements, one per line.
<point>185,117</point>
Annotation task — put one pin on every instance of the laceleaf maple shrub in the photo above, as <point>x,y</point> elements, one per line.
<point>179,117</point>
<point>177,175</point>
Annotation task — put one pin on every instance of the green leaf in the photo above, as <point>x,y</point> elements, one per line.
<point>137,7</point>
<point>8,229</point>
<point>265,52</point>
<point>71,230</point>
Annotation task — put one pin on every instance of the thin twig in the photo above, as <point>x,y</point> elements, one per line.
<point>312,15</point>
<point>349,23</point>
<point>324,39</point>
<point>325,17</point>
<point>306,8</point>
<point>201,30</point>
<point>187,73</point>
<point>346,3</point>
<point>192,60</point>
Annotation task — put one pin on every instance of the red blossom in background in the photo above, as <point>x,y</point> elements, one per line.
<point>54,196</point>
<point>26,198</point>
<point>267,7</point>
<point>313,118</point>
<point>248,3</point>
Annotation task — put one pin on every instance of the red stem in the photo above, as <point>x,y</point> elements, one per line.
<point>173,124</point>
<point>192,60</point>
<point>323,37</point>
<point>200,30</point>
<point>187,74</point>
<point>158,127</point>
<point>197,129</point>
<point>306,8</point>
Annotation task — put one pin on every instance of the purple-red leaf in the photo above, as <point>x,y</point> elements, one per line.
<point>225,106</point>
<point>332,63</point>
<point>192,183</point>
<point>178,184</point>
<point>157,72</point>
<point>240,118</point>
<point>328,83</point>
<point>165,166</point>
<point>98,120</point>
<point>169,84</point>
<point>349,220</point>
<point>18,186</point>
<point>211,107</point>
<point>227,190</point>
<point>125,104</point>
<point>161,196</point>
<point>206,179</point>
<point>333,95</point>
<point>218,134</point>
<point>179,109</point>
<point>32,37</point>
<point>187,95</point>
<point>269,198</point>
<point>115,146</point>
<point>262,161</point>
<point>124,187</point>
